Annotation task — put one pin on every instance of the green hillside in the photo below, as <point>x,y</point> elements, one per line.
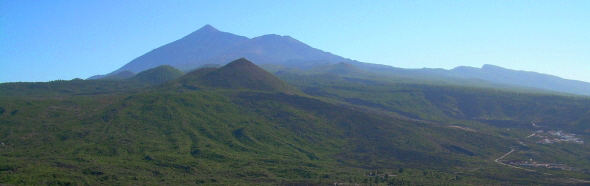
<point>239,74</point>
<point>157,75</point>
<point>121,75</point>
<point>240,125</point>
<point>189,80</point>
<point>63,89</point>
<point>443,103</point>
<point>249,136</point>
<point>200,72</point>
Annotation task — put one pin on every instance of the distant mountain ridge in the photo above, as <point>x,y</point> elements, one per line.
<point>522,78</point>
<point>209,46</point>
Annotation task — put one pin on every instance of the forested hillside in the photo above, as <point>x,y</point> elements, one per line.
<point>239,124</point>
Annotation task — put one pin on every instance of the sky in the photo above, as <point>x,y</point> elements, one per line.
<point>51,40</point>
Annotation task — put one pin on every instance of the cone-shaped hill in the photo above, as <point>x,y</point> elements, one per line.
<point>238,74</point>
<point>158,75</point>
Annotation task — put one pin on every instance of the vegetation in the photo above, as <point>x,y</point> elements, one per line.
<point>239,74</point>
<point>241,125</point>
<point>158,75</point>
<point>121,75</point>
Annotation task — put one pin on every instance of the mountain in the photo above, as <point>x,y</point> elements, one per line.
<point>523,78</point>
<point>157,75</point>
<point>238,74</point>
<point>275,49</point>
<point>200,45</point>
<point>210,46</point>
<point>487,76</point>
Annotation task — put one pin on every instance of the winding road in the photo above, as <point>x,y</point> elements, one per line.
<point>512,150</point>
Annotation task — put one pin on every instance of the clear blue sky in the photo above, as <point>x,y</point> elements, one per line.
<point>49,40</point>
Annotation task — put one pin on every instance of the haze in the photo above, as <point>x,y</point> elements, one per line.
<point>43,41</point>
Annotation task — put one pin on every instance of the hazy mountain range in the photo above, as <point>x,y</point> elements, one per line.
<point>209,46</point>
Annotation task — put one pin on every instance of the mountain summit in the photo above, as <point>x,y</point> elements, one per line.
<point>211,46</point>
<point>203,44</point>
<point>208,28</point>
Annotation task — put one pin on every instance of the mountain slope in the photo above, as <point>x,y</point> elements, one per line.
<point>211,46</point>
<point>444,102</point>
<point>240,74</point>
<point>487,76</point>
<point>523,78</point>
<point>275,49</point>
<point>252,135</point>
<point>157,75</point>
<point>202,44</point>
<point>341,68</point>
<point>121,75</point>
<point>209,137</point>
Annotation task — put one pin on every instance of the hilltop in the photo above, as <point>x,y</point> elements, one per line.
<point>242,73</point>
